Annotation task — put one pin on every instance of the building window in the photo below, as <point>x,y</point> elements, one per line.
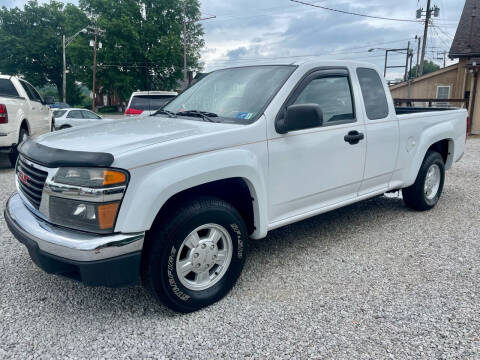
<point>443,92</point>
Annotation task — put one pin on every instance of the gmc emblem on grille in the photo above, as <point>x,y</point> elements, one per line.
<point>22,177</point>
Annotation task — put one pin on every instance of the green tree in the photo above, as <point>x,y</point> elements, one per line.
<point>428,67</point>
<point>142,45</point>
<point>31,40</point>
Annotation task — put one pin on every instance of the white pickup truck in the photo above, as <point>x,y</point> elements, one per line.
<point>23,113</point>
<point>174,198</point>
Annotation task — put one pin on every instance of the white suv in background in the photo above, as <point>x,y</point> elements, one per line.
<point>23,113</point>
<point>147,102</point>
<point>67,118</point>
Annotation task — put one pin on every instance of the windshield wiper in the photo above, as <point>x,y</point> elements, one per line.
<point>205,115</point>
<point>167,112</point>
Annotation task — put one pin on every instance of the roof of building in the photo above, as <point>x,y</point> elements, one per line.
<point>426,76</point>
<point>467,42</point>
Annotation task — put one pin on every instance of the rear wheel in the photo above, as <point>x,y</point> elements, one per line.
<point>64,127</point>
<point>425,192</point>
<point>13,156</point>
<point>194,256</point>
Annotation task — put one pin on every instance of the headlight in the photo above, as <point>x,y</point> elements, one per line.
<point>86,199</point>
<point>90,177</point>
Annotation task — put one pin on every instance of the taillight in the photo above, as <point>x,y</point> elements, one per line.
<point>131,111</point>
<point>3,114</point>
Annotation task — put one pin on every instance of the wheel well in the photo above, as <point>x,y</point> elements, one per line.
<point>235,191</point>
<point>442,147</point>
<point>24,125</point>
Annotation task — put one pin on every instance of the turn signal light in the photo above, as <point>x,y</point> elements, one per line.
<point>106,215</point>
<point>112,177</point>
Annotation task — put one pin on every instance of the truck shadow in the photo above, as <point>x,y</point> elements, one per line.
<point>4,163</point>
<point>344,223</point>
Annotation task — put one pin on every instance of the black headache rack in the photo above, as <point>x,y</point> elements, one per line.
<point>405,106</point>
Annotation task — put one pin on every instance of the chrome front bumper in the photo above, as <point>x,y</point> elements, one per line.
<point>64,243</point>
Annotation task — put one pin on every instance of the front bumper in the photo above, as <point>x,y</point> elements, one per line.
<point>96,260</point>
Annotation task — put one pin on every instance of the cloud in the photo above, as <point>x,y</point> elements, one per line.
<point>273,29</point>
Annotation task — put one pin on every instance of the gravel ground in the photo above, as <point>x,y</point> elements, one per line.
<point>373,280</point>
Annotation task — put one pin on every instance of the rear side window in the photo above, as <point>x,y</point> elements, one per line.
<point>59,113</point>
<point>149,102</point>
<point>373,93</point>
<point>75,114</point>
<point>90,115</point>
<point>7,88</point>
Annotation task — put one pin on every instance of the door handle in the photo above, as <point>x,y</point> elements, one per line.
<point>353,137</point>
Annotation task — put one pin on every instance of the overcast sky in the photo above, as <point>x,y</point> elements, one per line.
<point>246,31</point>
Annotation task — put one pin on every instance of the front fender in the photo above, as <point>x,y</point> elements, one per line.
<point>151,186</point>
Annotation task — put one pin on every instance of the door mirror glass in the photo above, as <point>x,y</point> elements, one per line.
<point>300,117</point>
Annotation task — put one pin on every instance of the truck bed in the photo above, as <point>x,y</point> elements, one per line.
<point>414,110</point>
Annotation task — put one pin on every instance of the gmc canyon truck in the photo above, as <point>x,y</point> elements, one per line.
<point>173,198</point>
<point>23,113</point>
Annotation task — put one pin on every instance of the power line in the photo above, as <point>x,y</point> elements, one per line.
<point>339,52</point>
<point>353,13</point>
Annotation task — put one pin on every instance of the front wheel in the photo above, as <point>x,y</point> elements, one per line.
<point>193,257</point>
<point>425,192</point>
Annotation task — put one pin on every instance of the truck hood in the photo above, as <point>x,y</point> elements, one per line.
<point>121,136</point>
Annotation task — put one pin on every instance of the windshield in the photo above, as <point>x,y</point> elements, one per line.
<point>238,94</point>
<point>149,102</point>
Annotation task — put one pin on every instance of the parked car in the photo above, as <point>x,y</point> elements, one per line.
<point>59,105</point>
<point>67,118</point>
<point>23,113</point>
<point>147,102</point>
<point>174,198</point>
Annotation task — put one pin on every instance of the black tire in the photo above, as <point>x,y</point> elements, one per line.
<point>64,127</point>
<point>414,196</point>
<point>13,156</point>
<point>164,240</point>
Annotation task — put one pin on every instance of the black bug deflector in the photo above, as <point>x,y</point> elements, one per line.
<point>53,158</point>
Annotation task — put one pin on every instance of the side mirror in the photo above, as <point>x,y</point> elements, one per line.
<point>49,100</point>
<point>300,117</point>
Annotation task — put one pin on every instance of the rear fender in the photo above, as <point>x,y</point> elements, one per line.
<point>430,136</point>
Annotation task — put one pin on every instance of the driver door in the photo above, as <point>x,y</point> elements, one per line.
<point>314,168</point>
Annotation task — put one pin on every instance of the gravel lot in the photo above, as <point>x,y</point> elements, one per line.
<point>373,280</point>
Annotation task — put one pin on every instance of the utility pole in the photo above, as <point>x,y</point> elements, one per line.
<point>184,20</point>
<point>405,77</point>
<point>418,54</point>
<point>96,31</point>
<point>443,57</point>
<point>65,42</point>
<point>185,79</point>
<point>425,32</point>
<point>94,93</point>
<point>64,79</point>
<point>428,15</point>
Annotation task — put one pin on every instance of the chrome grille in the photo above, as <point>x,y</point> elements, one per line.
<point>30,181</point>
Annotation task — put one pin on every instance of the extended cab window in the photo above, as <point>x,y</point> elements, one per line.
<point>374,97</point>
<point>7,88</point>
<point>332,94</point>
